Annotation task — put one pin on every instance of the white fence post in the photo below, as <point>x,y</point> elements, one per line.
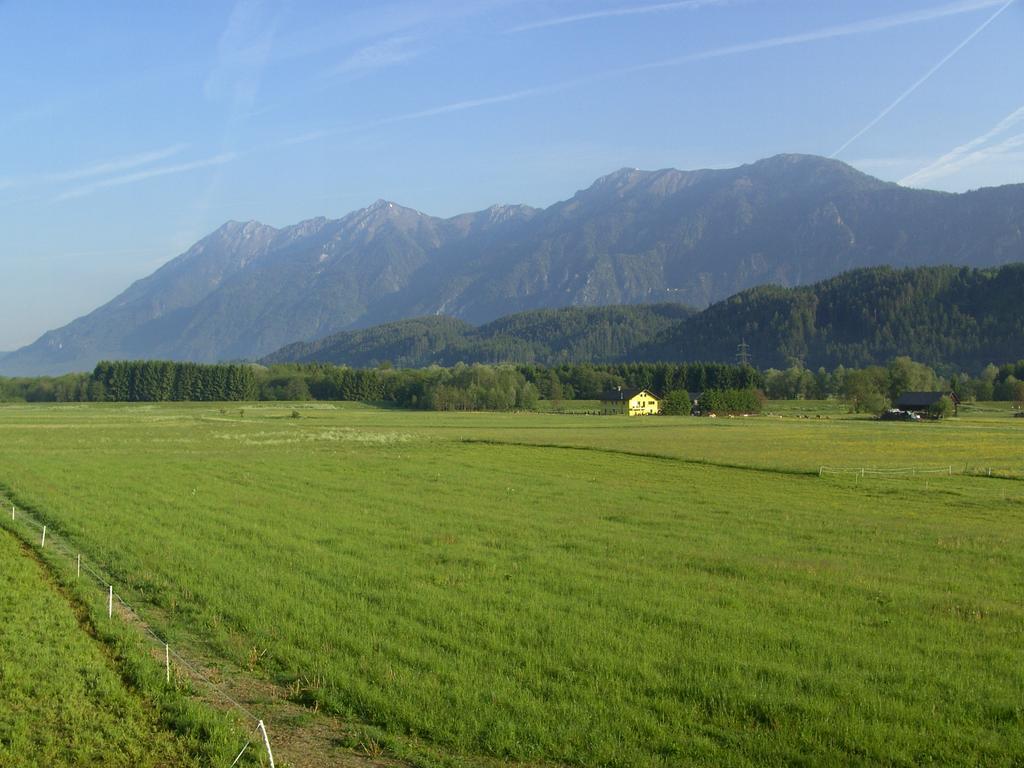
<point>167,648</point>
<point>239,756</point>
<point>266,743</point>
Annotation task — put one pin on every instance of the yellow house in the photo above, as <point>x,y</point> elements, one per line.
<point>631,402</point>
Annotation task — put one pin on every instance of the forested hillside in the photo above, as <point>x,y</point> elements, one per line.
<point>548,337</point>
<point>948,317</point>
<point>942,316</point>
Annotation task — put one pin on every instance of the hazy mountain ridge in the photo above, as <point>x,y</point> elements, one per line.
<point>943,316</point>
<point>691,237</point>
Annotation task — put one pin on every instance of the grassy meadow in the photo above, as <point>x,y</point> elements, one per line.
<point>568,589</point>
<point>62,702</point>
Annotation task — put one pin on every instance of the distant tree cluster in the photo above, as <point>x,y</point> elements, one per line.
<point>873,388</point>
<point>491,387</point>
<point>72,387</point>
<point>479,388</point>
<point>459,388</point>
<point>1003,383</point>
<point>731,401</point>
<point>134,381</point>
<point>585,381</point>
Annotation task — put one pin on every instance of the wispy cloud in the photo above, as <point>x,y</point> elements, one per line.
<point>631,10</point>
<point>924,78</point>
<point>149,173</point>
<point>348,24</point>
<point>974,151</point>
<point>385,53</point>
<point>877,24</point>
<point>100,168</point>
<point>243,51</point>
<point>441,109</point>
<point>114,166</point>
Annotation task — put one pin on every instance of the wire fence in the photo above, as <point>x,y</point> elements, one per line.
<point>45,539</point>
<point>901,472</point>
<point>885,472</point>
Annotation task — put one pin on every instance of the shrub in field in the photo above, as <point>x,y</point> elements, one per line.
<point>480,388</point>
<point>941,408</point>
<point>735,401</point>
<point>677,403</point>
<point>905,375</point>
<point>864,390</point>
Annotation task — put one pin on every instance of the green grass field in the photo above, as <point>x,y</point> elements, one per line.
<point>549,588</point>
<point>62,702</point>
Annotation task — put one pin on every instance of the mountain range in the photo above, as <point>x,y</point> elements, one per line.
<point>949,317</point>
<point>688,237</point>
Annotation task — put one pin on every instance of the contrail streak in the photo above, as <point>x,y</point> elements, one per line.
<point>866,26</point>
<point>615,12</point>
<point>925,78</point>
<point>878,24</point>
<point>957,157</point>
<point>150,173</point>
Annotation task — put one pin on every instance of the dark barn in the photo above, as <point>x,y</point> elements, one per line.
<point>920,402</point>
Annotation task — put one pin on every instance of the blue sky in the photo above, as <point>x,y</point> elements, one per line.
<point>130,130</point>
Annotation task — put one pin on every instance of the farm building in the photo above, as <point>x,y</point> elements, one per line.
<point>631,402</point>
<point>920,402</point>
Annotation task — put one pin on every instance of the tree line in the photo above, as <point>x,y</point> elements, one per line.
<point>508,387</point>
<point>873,388</point>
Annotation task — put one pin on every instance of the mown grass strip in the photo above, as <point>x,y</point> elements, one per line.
<point>642,455</point>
